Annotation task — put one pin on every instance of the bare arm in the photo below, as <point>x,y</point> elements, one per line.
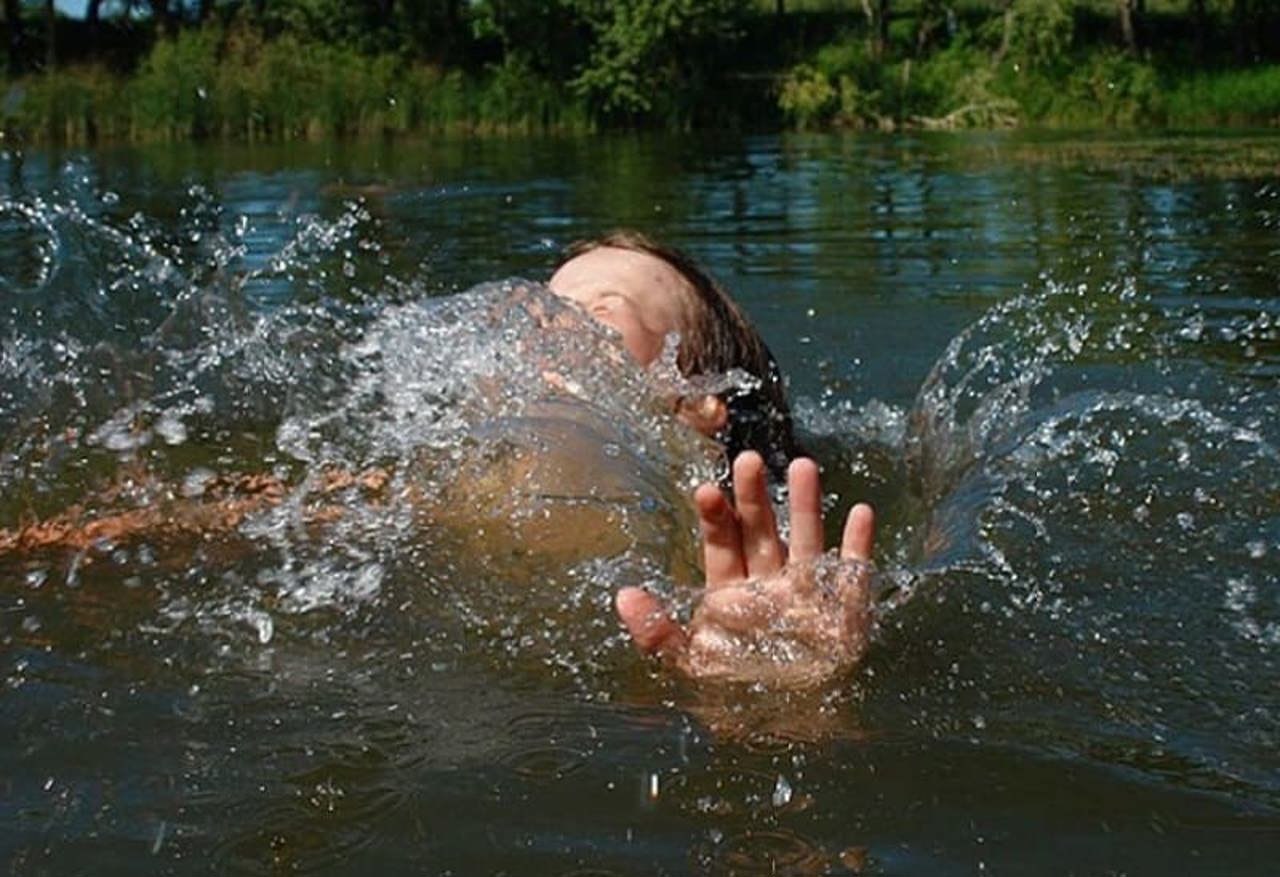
<point>220,507</point>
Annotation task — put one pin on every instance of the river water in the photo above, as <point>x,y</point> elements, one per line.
<point>1053,364</point>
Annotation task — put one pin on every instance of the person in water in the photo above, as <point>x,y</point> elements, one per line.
<point>767,613</point>
<point>771,611</point>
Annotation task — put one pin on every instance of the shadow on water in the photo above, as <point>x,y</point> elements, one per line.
<point>1058,384</point>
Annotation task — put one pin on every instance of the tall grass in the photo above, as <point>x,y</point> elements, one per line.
<point>1231,97</point>
<point>236,84</point>
<point>963,85</point>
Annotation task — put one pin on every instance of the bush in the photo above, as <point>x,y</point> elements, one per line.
<point>170,93</point>
<point>958,88</point>
<point>1110,87</point>
<point>1039,33</point>
<point>73,105</point>
<point>808,99</point>
<point>1227,97</point>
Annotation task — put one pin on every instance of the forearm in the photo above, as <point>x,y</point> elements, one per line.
<point>221,506</point>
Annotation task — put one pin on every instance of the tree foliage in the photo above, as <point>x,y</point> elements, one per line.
<point>653,54</point>
<point>286,68</point>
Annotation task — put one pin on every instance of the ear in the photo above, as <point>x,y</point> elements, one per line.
<point>707,414</point>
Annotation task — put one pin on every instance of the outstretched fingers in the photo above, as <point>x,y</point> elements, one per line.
<point>722,557</point>
<point>762,550</point>
<point>859,533</point>
<point>804,491</point>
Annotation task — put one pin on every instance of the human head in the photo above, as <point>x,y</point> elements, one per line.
<point>666,290</point>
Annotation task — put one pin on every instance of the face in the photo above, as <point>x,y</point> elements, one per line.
<point>637,294</point>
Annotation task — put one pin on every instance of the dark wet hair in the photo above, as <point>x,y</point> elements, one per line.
<point>721,338</point>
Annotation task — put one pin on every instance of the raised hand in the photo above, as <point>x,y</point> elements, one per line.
<point>771,614</point>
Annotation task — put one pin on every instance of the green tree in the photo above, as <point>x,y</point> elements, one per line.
<point>651,59</point>
<point>877,13</point>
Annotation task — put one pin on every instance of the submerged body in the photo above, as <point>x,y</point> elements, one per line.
<point>528,431</point>
<point>472,435</point>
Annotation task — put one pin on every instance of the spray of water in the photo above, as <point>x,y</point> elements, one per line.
<point>493,454</point>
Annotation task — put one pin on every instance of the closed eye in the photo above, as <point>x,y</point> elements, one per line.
<point>606,301</point>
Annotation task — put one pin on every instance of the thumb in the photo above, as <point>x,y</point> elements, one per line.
<point>647,620</point>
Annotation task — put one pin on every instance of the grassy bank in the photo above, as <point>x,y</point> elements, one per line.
<point>959,88</point>
<point>207,84</point>
<point>1045,63</point>
<point>701,64</point>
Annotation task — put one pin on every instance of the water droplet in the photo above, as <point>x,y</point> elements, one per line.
<point>171,429</point>
<point>782,792</point>
<point>262,625</point>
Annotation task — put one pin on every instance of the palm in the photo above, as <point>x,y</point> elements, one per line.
<point>770,613</point>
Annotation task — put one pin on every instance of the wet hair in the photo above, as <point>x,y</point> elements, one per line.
<point>720,338</point>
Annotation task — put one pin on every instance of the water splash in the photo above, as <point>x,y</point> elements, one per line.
<point>1092,506</point>
<point>360,430</point>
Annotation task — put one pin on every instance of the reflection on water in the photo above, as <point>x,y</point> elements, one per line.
<point>1056,381</point>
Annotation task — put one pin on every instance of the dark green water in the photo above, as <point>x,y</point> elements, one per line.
<point>1053,365</point>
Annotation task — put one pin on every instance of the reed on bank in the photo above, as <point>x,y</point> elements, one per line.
<point>202,85</point>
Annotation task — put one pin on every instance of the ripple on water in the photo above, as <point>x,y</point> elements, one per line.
<point>319,816</point>
<point>777,852</point>
<point>548,746</point>
<point>546,763</point>
<point>293,838</point>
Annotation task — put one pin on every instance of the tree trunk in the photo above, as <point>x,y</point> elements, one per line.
<point>930,16</point>
<point>880,28</point>
<point>1006,34</point>
<point>163,16</point>
<point>50,35</point>
<point>203,10</point>
<point>1200,23</point>
<point>13,33</point>
<point>1241,36</point>
<point>1126,26</point>
<point>92,24</point>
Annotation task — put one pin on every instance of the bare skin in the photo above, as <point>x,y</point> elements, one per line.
<point>221,506</point>
<point>764,617</point>
<point>639,296</point>
<point>644,300</point>
<point>768,613</point>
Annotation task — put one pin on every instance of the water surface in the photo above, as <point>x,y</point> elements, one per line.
<point>1053,365</point>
